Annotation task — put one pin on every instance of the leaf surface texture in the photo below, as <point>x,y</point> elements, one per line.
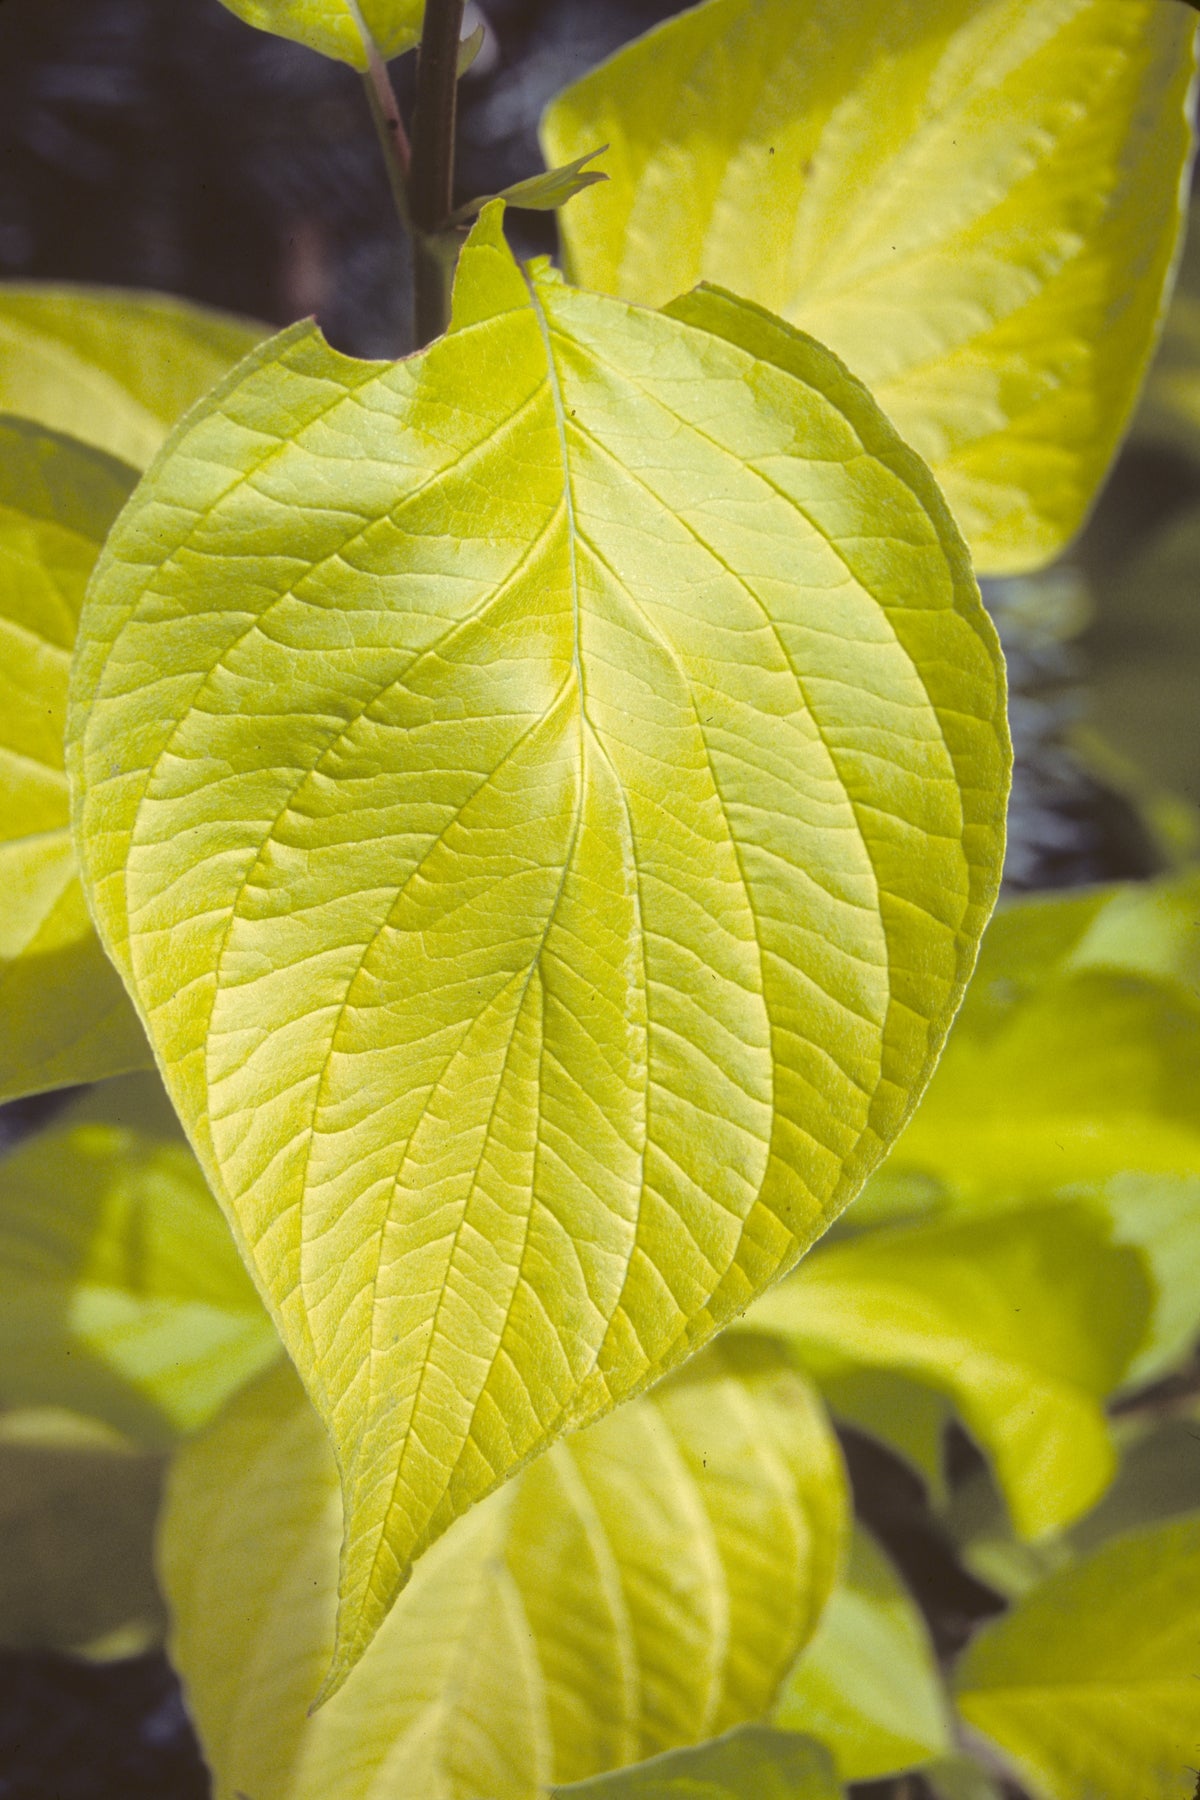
<point>545,796</point>
<point>641,1586</point>
<point>976,205</point>
<point>1089,1685</point>
<point>111,366</point>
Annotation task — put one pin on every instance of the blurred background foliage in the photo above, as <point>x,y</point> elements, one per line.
<point>998,1454</point>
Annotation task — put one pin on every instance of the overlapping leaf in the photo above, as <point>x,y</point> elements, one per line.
<point>113,367</point>
<point>750,1764</point>
<point>1027,1320</point>
<point>642,1586</point>
<point>867,1686</point>
<point>121,1293</point>
<point>544,795</point>
<point>64,1014</point>
<point>1073,1070</point>
<point>342,29</point>
<point>975,202</point>
<point>1089,1685</point>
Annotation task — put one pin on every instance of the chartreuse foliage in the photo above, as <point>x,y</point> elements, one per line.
<point>121,1295</point>
<point>1083,1021</point>
<point>976,203</point>
<point>867,1685</point>
<point>771,1765</point>
<point>1027,1320</point>
<point>64,1013</point>
<point>344,29</point>
<point>544,797</point>
<point>642,1586</point>
<point>113,368</point>
<point>1089,1685</point>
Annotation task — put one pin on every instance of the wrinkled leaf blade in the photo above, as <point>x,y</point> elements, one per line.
<point>1027,1321</point>
<point>121,1294</point>
<point>977,206</point>
<point>114,367</point>
<point>341,29</point>
<point>563,915</point>
<point>1089,1685</point>
<point>64,1013</point>
<point>867,1686</point>
<point>642,1586</point>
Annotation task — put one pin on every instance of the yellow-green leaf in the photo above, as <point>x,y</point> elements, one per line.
<point>78,1505</point>
<point>749,1764</point>
<point>1073,1069</point>
<point>1089,1685</point>
<point>64,1013</point>
<point>867,1685</point>
<point>544,795</point>
<point>976,203</point>
<point>121,1293</point>
<point>112,367</point>
<point>342,29</point>
<point>1027,1320</point>
<point>642,1586</point>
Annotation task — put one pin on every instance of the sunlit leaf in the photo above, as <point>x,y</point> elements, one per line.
<point>545,192</point>
<point>64,1014</point>
<point>750,1764</point>
<point>121,1293</point>
<point>1073,1069</point>
<point>867,1686</point>
<point>1158,1479</point>
<point>113,367</point>
<point>343,29</point>
<point>544,795</point>
<point>1026,1320</point>
<point>78,1506</point>
<point>1090,1684</point>
<point>975,203</point>
<point>644,1585</point>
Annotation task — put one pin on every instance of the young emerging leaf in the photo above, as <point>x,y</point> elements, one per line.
<point>112,367</point>
<point>342,29</point>
<point>64,1013</point>
<point>867,1686</point>
<point>121,1295</point>
<point>543,193</point>
<point>642,1586</point>
<point>750,1764</point>
<point>1028,1321</point>
<point>975,202</point>
<point>545,795</point>
<point>1090,1684</point>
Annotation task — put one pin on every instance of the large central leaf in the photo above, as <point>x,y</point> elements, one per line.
<point>544,796</point>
